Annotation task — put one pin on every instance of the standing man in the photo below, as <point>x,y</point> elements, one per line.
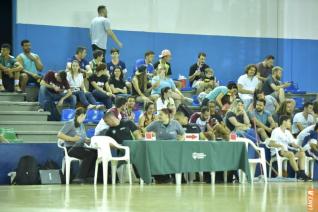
<point>100,29</point>
<point>264,68</point>
<point>31,62</point>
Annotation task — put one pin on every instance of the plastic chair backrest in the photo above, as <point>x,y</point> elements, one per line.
<point>67,114</point>
<point>137,115</point>
<point>103,143</point>
<point>90,132</point>
<point>93,116</point>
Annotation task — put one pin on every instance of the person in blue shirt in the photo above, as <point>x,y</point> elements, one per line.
<point>147,61</point>
<point>31,62</point>
<point>310,144</point>
<point>219,92</point>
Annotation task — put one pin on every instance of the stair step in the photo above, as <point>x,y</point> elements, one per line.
<point>37,137</point>
<point>18,106</point>
<point>36,126</point>
<point>14,97</point>
<point>23,116</point>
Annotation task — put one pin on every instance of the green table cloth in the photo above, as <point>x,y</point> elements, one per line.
<point>168,157</point>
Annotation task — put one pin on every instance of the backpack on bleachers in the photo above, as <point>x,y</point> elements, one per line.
<point>27,172</point>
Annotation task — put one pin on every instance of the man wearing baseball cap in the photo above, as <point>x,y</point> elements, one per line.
<point>164,59</point>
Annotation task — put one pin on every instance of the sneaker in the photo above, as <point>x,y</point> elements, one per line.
<point>302,176</point>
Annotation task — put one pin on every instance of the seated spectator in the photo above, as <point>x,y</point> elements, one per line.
<point>271,105</point>
<point>310,144</point>
<point>303,119</point>
<point>203,122</point>
<point>287,108</point>
<point>165,128</point>
<point>164,99</point>
<point>31,63</point>
<point>282,139</point>
<point>196,71</point>
<point>116,62</point>
<point>85,68</point>
<point>247,85</point>
<point>10,71</point>
<point>119,108</point>
<point>189,127</point>
<point>218,93</point>
<point>117,83</point>
<point>76,81</point>
<point>130,107</point>
<point>147,117</point>
<point>273,86</point>
<point>208,78</point>
<point>161,81</point>
<point>263,120</point>
<point>74,136</point>
<point>140,85</point>
<point>265,68</point>
<point>216,121</point>
<point>171,106</point>
<point>98,57</point>
<point>305,132</point>
<point>147,62</point>
<point>99,86</point>
<point>236,118</point>
<point>119,111</point>
<point>54,87</point>
<point>164,59</point>
<point>207,89</point>
<point>120,130</point>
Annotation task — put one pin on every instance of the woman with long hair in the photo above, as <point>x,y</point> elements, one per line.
<point>147,117</point>
<point>117,83</point>
<point>164,99</point>
<point>140,85</point>
<point>76,82</point>
<point>74,138</point>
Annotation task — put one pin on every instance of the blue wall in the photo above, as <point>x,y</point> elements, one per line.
<point>227,55</point>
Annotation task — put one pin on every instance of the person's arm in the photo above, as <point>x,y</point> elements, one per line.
<point>277,87</point>
<point>155,83</point>
<point>237,124</point>
<point>96,87</point>
<point>88,70</point>
<point>314,146</point>
<point>68,94</point>
<point>37,61</point>
<point>299,126</point>
<point>115,90</point>
<point>65,137</point>
<point>244,91</point>
<point>272,123</point>
<point>137,135</point>
<point>114,37</point>
<point>17,67</point>
<point>260,78</point>
<point>141,121</point>
<point>136,86</point>
<point>219,100</point>
<point>194,75</point>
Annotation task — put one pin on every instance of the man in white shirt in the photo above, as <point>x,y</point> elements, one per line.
<point>247,84</point>
<point>100,29</point>
<point>303,119</point>
<point>283,140</point>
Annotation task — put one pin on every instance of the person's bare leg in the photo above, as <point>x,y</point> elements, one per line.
<point>301,159</point>
<point>1,83</point>
<point>262,133</point>
<point>291,158</point>
<point>17,82</point>
<point>281,95</point>
<point>23,81</point>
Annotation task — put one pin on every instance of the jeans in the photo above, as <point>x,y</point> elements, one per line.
<point>47,97</point>
<point>85,98</point>
<point>102,97</point>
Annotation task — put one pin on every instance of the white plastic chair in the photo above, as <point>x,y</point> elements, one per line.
<point>281,161</point>
<point>66,162</point>
<point>252,162</point>
<point>103,145</point>
<point>309,165</point>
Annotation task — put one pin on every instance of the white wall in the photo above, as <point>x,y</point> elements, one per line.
<point>247,18</point>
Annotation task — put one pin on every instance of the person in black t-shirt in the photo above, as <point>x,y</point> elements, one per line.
<point>188,127</point>
<point>99,86</point>
<point>197,70</point>
<point>120,130</point>
<point>117,82</point>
